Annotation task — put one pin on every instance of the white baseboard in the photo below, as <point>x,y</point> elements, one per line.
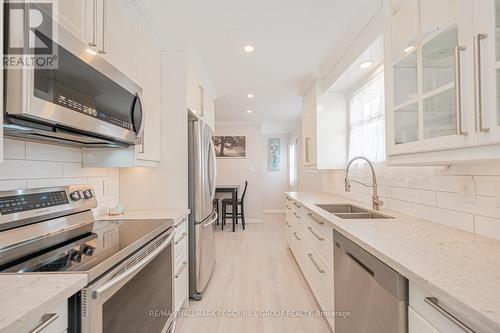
<point>273,211</point>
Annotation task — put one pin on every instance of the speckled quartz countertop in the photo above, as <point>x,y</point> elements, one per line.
<point>174,214</point>
<point>24,299</point>
<point>458,267</point>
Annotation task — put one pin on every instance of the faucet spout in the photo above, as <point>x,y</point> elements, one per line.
<point>376,202</point>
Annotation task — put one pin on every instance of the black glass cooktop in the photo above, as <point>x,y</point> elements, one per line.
<point>109,243</point>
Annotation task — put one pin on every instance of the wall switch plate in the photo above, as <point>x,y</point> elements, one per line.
<point>467,191</point>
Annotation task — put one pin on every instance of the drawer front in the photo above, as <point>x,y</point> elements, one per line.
<point>417,324</point>
<point>181,285</point>
<point>180,228</point>
<point>433,314</point>
<point>181,250</point>
<point>54,321</point>
<point>320,243</point>
<point>321,225</point>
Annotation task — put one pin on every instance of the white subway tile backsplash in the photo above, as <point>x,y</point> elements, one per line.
<point>447,217</point>
<point>14,149</point>
<point>413,195</point>
<point>24,169</point>
<point>483,206</point>
<point>76,170</point>
<point>45,152</point>
<point>487,226</point>
<point>487,185</point>
<point>33,165</point>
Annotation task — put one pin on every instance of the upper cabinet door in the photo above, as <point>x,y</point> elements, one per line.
<point>486,40</point>
<point>73,17</point>
<point>115,33</point>
<point>427,56</point>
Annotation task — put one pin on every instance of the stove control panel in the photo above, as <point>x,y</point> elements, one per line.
<point>21,203</point>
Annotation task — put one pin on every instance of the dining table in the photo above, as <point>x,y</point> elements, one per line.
<point>233,190</point>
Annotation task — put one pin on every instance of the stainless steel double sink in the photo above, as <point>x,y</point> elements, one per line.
<point>348,211</point>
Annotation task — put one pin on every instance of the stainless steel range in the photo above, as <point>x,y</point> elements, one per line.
<point>129,263</point>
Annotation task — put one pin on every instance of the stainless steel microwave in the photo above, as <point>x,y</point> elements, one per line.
<point>84,101</point>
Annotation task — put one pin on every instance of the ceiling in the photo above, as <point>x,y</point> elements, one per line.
<point>295,42</point>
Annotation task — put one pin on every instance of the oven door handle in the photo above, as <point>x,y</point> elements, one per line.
<point>133,270</point>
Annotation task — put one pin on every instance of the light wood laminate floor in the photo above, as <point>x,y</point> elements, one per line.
<point>255,271</point>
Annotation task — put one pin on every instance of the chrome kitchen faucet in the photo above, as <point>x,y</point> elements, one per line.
<point>376,202</point>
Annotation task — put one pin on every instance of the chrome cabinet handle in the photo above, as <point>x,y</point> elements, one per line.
<point>184,264</point>
<point>181,222</point>
<point>296,215</point>
<point>93,42</point>
<point>478,91</point>
<point>458,89</point>
<point>297,205</point>
<point>288,207</point>
<point>48,319</point>
<point>104,26</point>
<point>134,269</point>
<point>321,270</point>
<point>287,198</point>
<point>315,219</point>
<point>180,239</point>
<point>315,234</point>
<point>288,224</point>
<point>296,237</point>
<point>434,303</point>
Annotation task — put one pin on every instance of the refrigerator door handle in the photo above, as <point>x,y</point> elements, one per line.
<point>213,168</point>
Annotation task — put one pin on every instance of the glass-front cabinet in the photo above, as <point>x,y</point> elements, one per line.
<point>428,51</point>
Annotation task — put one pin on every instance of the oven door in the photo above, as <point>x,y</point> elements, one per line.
<point>83,93</point>
<point>137,295</point>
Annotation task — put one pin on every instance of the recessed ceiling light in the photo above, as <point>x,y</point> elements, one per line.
<point>250,95</point>
<point>249,111</point>
<point>90,51</point>
<point>409,49</point>
<point>248,48</point>
<point>365,64</point>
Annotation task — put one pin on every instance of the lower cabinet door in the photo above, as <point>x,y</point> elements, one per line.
<point>417,324</point>
<point>54,321</point>
<point>181,284</point>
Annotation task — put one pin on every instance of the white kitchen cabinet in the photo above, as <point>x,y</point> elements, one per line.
<point>324,126</point>
<point>54,321</point>
<point>73,16</point>
<point>310,239</point>
<point>427,314</point>
<point>441,70</point>
<point>147,64</point>
<point>181,266</point>
<point>200,99</point>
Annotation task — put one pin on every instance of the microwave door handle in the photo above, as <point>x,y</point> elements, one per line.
<point>133,270</point>
<point>143,119</point>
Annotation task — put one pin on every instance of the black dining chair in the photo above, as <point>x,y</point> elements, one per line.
<point>240,209</point>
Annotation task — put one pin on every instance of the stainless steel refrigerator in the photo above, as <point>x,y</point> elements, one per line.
<point>202,174</point>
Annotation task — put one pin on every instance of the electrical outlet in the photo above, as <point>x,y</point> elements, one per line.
<point>467,191</point>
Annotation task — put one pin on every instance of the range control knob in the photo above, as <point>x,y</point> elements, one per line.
<point>76,256</point>
<point>87,194</point>
<point>75,196</point>
<point>88,250</point>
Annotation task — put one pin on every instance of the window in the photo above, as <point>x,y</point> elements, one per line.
<point>367,121</point>
<point>292,156</point>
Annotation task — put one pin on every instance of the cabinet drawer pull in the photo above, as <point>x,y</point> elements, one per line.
<point>296,237</point>
<point>297,205</point>
<point>288,224</point>
<point>315,219</point>
<point>297,216</point>
<point>48,319</point>
<point>104,26</point>
<point>288,207</point>
<point>287,198</point>
<point>458,88</point>
<point>315,234</point>
<point>93,42</point>
<point>315,263</point>
<point>180,223</point>
<point>478,92</point>
<point>434,303</point>
<point>184,264</point>
<point>180,239</point>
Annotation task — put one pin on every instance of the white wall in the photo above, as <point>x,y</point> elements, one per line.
<point>432,194</point>
<point>236,171</point>
<point>274,183</point>
<point>32,165</point>
<point>307,180</point>
<point>165,187</point>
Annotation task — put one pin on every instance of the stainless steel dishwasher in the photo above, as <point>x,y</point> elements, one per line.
<point>374,295</point>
